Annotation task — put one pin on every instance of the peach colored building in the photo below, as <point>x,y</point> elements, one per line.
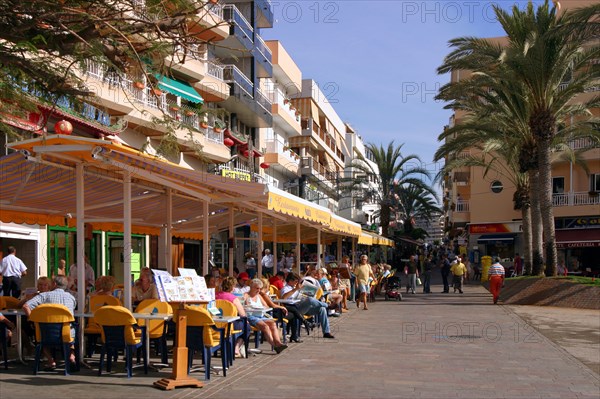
<point>479,209</point>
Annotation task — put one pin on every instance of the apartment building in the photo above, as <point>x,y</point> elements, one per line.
<point>479,209</point>
<point>359,201</point>
<point>321,147</point>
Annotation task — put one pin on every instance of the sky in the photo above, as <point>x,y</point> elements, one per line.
<point>376,60</point>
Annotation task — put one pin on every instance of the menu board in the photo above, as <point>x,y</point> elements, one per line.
<point>189,288</point>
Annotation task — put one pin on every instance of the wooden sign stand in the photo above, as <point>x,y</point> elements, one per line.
<point>179,376</point>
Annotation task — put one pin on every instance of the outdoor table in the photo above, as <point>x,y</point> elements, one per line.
<point>152,316</point>
<point>286,301</point>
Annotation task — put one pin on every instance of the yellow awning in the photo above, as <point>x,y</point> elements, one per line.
<point>283,202</point>
<point>365,239</point>
<point>344,226</point>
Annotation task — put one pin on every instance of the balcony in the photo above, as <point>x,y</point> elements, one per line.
<point>576,199</point>
<point>213,86</point>
<point>325,140</point>
<point>283,115</point>
<point>264,14</point>
<point>241,33</point>
<point>461,178</point>
<point>209,24</point>
<point>462,206</point>
<point>238,169</point>
<point>251,110</point>
<point>191,63</point>
<point>107,86</point>
<point>262,57</point>
<point>310,167</point>
<point>280,157</point>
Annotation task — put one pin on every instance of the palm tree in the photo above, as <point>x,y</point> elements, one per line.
<point>415,202</point>
<point>551,56</point>
<point>393,169</point>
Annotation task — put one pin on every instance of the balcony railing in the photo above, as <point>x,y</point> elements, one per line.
<point>214,70</point>
<point>262,47</point>
<point>216,9</point>
<point>580,143</point>
<point>462,206</point>
<point>576,199</point>
<point>277,147</point>
<point>231,74</point>
<point>277,97</point>
<point>263,100</point>
<point>233,15</point>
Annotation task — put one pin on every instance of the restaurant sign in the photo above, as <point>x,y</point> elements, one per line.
<point>578,223</point>
<point>486,228</point>
<point>581,244</point>
<point>234,174</point>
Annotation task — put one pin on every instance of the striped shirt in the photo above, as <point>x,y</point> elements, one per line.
<point>496,270</point>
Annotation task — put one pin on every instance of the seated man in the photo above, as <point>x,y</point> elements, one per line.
<point>307,305</point>
<point>278,280</point>
<point>241,288</point>
<point>57,296</point>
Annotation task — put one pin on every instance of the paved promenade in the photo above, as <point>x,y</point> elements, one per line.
<point>427,346</point>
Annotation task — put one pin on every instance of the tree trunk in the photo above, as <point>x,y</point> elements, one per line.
<point>536,225</point>
<point>526,215</point>
<point>384,213</point>
<point>545,193</point>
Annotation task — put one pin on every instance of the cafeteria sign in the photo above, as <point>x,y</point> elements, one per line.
<point>234,174</point>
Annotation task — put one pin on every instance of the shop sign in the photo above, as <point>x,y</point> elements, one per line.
<point>234,174</point>
<point>580,222</point>
<point>589,244</point>
<point>486,228</point>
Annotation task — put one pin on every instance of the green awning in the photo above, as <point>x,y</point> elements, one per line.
<point>179,88</point>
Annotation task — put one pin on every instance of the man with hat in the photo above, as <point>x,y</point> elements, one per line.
<point>241,288</point>
<point>458,270</point>
<point>496,277</point>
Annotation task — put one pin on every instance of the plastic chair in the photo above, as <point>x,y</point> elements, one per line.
<point>274,291</point>
<point>93,330</point>
<point>231,335</point>
<point>204,335</point>
<point>52,328</point>
<point>8,302</point>
<point>156,329</point>
<point>119,332</point>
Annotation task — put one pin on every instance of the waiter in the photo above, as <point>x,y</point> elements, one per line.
<point>11,270</point>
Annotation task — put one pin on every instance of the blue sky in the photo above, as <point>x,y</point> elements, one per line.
<point>376,60</point>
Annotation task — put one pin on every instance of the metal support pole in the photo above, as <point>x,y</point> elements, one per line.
<point>127,247</point>
<point>205,239</point>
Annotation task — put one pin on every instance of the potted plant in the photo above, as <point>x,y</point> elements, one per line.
<point>157,92</point>
<point>189,112</point>
<point>286,147</point>
<point>285,101</point>
<point>219,126</point>
<point>138,84</point>
<point>174,107</point>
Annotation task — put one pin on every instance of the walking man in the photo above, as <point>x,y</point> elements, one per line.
<point>11,270</point>
<point>363,271</point>
<point>496,277</point>
<point>458,270</point>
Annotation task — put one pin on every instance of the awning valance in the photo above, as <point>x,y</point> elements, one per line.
<point>365,239</point>
<point>345,226</point>
<point>284,202</point>
<point>492,238</point>
<point>179,88</point>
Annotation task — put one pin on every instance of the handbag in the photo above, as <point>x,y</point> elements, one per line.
<point>419,281</point>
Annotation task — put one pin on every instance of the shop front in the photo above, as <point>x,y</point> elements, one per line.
<point>578,244</point>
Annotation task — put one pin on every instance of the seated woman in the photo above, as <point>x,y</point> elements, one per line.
<point>104,286</point>
<point>339,285</point>
<point>265,324</point>
<point>290,312</point>
<point>226,293</point>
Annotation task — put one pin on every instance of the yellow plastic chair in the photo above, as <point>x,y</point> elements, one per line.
<point>53,329</point>
<point>8,302</point>
<point>202,334</point>
<point>274,291</point>
<point>156,329</point>
<point>231,334</point>
<point>92,329</point>
<point>118,331</point>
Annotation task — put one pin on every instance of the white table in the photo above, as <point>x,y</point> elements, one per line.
<point>152,316</point>
<point>286,301</point>
<point>257,311</point>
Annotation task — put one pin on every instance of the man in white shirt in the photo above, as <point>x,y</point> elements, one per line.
<point>267,263</point>
<point>90,277</point>
<point>11,270</point>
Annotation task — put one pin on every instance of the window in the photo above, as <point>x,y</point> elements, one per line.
<point>496,186</point>
<point>558,185</point>
<point>595,182</point>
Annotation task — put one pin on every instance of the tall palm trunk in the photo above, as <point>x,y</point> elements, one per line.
<point>527,252</point>
<point>545,194</point>
<point>384,213</point>
<point>536,225</point>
